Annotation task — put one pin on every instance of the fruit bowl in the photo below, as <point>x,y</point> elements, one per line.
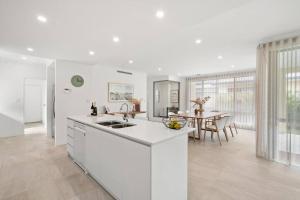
<point>174,122</point>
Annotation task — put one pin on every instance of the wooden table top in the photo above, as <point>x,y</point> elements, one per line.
<point>204,115</point>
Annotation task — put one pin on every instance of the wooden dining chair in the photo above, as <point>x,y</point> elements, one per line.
<point>190,123</point>
<point>231,124</point>
<point>216,127</point>
<point>180,112</point>
<point>213,118</point>
<point>171,114</point>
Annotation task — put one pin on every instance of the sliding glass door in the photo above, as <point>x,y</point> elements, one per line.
<point>232,93</point>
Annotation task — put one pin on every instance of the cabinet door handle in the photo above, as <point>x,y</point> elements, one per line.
<point>80,130</point>
<point>70,136</point>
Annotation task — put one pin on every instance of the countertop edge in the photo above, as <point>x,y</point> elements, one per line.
<point>143,142</point>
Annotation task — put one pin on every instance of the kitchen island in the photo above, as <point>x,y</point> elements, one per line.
<point>134,160</point>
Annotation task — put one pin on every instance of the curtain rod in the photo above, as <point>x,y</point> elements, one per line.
<point>223,74</point>
<point>293,35</point>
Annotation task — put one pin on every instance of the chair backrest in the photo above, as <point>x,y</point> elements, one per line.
<point>171,113</point>
<point>230,118</point>
<point>221,123</point>
<point>180,112</point>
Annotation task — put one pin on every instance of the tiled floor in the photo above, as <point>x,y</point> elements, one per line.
<point>31,168</point>
<point>34,128</point>
<point>233,172</point>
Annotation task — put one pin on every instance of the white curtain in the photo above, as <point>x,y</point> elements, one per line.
<point>233,93</point>
<point>278,101</point>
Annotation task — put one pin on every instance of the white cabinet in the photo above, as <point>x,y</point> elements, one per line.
<point>70,138</point>
<point>120,165</point>
<point>79,145</point>
<point>127,169</point>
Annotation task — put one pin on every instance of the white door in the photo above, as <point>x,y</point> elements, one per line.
<point>44,103</point>
<point>33,101</point>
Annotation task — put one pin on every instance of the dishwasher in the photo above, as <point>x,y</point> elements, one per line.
<point>79,144</point>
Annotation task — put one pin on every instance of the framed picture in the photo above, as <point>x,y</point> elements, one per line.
<point>118,92</point>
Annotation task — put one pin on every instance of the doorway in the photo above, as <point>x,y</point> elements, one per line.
<point>35,110</point>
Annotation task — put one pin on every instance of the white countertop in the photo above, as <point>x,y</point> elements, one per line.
<point>145,132</point>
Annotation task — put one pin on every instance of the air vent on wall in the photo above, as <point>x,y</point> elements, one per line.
<point>123,72</point>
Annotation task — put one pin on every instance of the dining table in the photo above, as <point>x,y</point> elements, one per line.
<point>200,117</point>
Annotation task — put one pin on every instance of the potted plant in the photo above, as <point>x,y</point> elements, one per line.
<point>198,103</point>
<point>136,104</point>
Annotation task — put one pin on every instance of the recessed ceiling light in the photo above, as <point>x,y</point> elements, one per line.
<point>91,53</point>
<point>42,18</point>
<point>24,58</point>
<point>116,39</point>
<point>220,57</point>
<point>198,41</point>
<point>159,69</point>
<point>130,61</point>
<point>232,66</point>
<point>160,14</point>
<point>30,49</point>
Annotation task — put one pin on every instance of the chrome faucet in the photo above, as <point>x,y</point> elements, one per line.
<point>125,117</point>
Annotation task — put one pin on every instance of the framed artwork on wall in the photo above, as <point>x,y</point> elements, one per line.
<point>118,92</point>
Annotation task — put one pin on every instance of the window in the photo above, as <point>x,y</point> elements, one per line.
<point>234,94</point>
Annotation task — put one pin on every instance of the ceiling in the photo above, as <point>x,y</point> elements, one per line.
<point>230,28</point>
<point>6,56</point>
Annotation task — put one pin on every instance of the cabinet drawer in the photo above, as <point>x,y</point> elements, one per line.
<point>70,150</point>
<point>70,123</point>
<point>79,125</point>
<point>70,140</point>
<point>70,132</point>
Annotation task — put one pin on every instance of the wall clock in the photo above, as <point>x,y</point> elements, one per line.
<point>77,81</point>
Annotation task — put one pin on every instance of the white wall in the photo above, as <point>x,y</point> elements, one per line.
<point>103,75</point>
<point>12,77</point>
<point>150,80</point>
<point>50,99</point>
<point>76,102</point>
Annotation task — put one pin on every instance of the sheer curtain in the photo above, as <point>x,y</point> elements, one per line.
<point>233,93</point>
<point>278,101</point>
<point>245,101</point>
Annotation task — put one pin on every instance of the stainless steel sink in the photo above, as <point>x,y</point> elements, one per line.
<point>123,125</point>
<point>115,124</point>
<point>110,123</point>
